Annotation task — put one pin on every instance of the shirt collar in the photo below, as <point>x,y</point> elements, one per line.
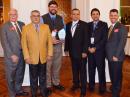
<point>13,23</point>
<point>75,22</point>
<point>114,24</point>
<point>95,22</point>
<point>52,16</point>
<point>36,24</point>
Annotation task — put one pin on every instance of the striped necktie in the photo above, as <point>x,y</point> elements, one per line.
<point>110,31</point>
<point>18,30</point>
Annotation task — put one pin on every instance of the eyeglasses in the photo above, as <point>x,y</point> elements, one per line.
<point>13,15</point>
<point>35,15</point>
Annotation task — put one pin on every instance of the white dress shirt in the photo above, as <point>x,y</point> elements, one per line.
<point>73,27</point>
<point>13,23</point>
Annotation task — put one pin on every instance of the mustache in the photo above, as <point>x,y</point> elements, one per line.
<point>53,11</point>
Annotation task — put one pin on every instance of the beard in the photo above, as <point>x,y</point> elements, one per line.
<point>53,12</point>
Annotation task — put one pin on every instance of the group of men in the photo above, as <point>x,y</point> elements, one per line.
<point>38,44</point>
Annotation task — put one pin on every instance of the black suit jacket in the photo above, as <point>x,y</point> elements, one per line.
<point>100,35</point>
<point>116,42</point>
<point>77,44</point>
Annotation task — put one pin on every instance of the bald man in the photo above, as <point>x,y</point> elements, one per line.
<point>14,62</point>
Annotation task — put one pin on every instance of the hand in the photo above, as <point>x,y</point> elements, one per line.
<point>84,55</point>
<point>92,50</point>
<point>28,61</point>
<point>66,53</point>
<point>55,41</point>
<point>115,58</point>
<point>49,58</point>
<point>14,59</point>
<point>89,49</point>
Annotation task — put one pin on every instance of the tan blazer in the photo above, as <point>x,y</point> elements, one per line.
<point>37,45</point>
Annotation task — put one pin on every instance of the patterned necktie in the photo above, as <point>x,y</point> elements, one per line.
<point>36,27</point>
<point>18,30</point>
<point>110,31</point>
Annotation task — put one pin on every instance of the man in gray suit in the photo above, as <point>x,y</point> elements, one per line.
<point>14,62</point>
<point>117,36</point>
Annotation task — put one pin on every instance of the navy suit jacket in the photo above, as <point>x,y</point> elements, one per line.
<point>100,35</point>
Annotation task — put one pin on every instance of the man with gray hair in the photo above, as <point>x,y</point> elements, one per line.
<point>14,61</point>
<point>37,49</point>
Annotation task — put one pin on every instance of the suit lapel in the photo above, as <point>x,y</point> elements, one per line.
<point>20,25</point>
<point>33,29</point>
<point>115,27</point>
<point>70,29</point>
<point>13,30</point>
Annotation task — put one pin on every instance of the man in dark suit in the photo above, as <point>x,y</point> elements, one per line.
<point>14,61</point>
<point>76,44</point>
<point>96,56</point>
<point>117,36</point>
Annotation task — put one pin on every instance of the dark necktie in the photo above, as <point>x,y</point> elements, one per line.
<point>110,31</point>
<point>53,23</point>
<point>18,30</point>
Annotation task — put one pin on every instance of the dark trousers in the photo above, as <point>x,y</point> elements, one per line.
<point>79,73</point>
<point>115,70</point>
<point>38,71</point>
<point>97,61</point>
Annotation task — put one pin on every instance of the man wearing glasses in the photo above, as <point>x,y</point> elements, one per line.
<point>37,49</point>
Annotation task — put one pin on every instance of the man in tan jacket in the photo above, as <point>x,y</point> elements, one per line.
<point>37,49</point>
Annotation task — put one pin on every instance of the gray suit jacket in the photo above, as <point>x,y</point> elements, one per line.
<point>116,42</point>
<point>10,40</point>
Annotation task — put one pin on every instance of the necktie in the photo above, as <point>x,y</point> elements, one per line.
<point>94,26</point>
<point>18,30</point>
<point>110,30</point>
<point>53,18</point>
<point>73,28</point>
<point>53,21</point>
<point>36,27</point>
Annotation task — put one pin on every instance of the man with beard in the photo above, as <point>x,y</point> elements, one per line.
<point>55,23</point>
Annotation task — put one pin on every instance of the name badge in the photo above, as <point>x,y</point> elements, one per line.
<point>92,40</point>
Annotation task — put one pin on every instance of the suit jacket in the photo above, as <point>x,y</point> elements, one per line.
<point>99,34</point>
<point>10,39</point>
<point>37,45</point>
<point>116,42</point>
<point>77,44</point>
